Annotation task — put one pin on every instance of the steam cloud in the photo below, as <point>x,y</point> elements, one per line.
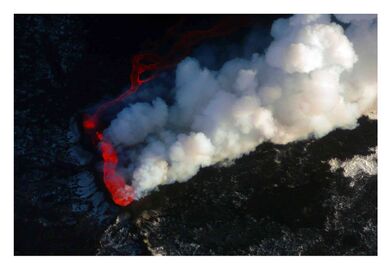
<point>314,77</point>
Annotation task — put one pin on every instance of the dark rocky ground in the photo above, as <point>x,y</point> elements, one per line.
<point>278,200</point>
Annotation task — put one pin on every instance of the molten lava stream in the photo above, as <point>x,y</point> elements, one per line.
<point>142,64</point>
<point>122,193</point>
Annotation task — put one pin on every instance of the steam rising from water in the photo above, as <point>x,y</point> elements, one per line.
<point>314,77</point>
<point>357,166</point>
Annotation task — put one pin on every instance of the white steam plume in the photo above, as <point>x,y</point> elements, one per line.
<point>315,76</point>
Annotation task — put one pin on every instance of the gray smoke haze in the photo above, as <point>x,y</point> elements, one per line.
<point>315,77</point>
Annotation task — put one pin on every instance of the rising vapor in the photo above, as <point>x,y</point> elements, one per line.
<point>318,74</point>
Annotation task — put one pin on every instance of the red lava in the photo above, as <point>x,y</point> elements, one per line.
<point>143,63</point>
<point>122,193</point>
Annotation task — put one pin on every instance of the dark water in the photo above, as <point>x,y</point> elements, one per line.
<point>277,200</point>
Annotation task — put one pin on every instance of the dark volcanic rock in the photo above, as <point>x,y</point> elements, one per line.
<point>279,199</point>
<point>58,208</point>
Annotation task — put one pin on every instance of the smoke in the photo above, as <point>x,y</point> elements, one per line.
<point>317,75</point>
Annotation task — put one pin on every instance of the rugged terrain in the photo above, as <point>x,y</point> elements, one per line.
<point>295,199</point>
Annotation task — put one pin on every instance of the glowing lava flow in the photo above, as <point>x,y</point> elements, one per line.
<point>122,193</point>
<point>149,62</point>
<point>142,63</point>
